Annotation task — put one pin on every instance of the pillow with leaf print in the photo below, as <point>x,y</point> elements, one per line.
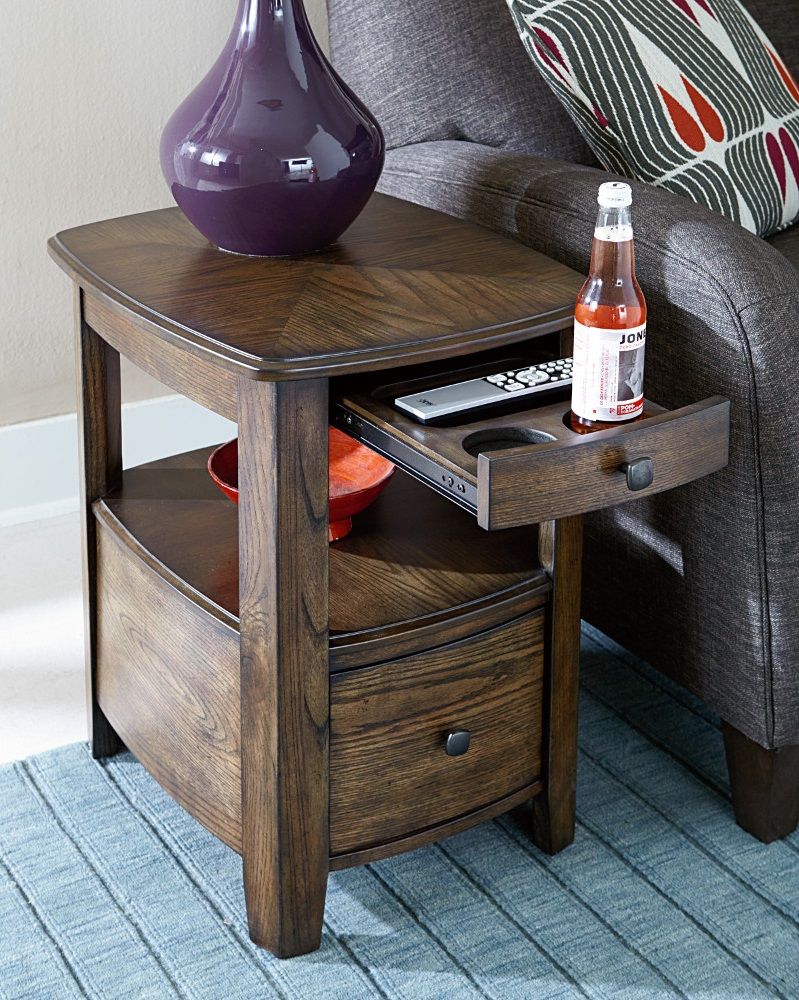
<point>686,94</point>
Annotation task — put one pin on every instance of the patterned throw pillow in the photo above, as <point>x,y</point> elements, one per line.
<point>686,94</point>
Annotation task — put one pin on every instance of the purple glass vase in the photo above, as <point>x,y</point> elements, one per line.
<point>272,154</point>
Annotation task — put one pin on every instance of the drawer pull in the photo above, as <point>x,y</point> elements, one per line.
<point>640,473</point>
<point>458,742</point>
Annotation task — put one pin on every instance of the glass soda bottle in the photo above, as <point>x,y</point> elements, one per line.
<point>609,323</point>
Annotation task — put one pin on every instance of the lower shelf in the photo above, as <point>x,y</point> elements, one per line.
<point>469,656</point>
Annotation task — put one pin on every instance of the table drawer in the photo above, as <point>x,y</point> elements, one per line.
<point>526,467</point>
<point>390,772</point>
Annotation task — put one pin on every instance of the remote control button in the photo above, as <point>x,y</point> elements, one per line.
<point>513,386</point>
<point>496,379</point>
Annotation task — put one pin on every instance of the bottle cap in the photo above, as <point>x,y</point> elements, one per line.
<point>615,195</point>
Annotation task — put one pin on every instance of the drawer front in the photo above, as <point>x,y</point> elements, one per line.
<point>526,467</point>
<point>582,473</point>
<point>390,773</point>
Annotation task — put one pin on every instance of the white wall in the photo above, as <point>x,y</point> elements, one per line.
<point>85,89</point>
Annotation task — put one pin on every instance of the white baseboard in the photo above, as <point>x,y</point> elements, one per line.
<point>39,459</point>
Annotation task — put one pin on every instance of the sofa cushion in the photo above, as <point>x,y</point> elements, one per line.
<point>687,94</point>
<point>449,70</point>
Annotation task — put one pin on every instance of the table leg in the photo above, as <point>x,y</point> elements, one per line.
<point>283,585</point>
<point>560,552</point>
<point>100,450</point>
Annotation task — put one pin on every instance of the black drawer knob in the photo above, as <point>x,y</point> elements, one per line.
<point>458,742</point>
<point>640,473</point>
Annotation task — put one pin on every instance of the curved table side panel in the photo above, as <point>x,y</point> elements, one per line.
<point>168,680</point>
<point>173,696</point>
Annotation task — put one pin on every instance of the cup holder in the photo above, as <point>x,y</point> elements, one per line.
<point>503,438</point>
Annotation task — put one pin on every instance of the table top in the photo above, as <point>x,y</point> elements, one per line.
<point>404,284</point>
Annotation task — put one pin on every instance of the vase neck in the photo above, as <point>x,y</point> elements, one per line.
<point>257,21</point>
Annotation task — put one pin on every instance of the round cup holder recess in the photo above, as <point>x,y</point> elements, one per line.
<point>503,438</point>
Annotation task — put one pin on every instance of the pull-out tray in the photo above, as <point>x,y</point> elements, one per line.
<point>526,467</point>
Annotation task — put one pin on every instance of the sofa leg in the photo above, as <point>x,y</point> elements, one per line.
<point>765,786</point>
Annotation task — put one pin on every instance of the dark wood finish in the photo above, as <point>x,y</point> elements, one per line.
<point>100,452</point>
<point>392,719</point>
<point>429,836</point>
<point>283,585</point>
<point>424,573</point>
<point>573,474</point>
<point>174,698</point>
<point>561,551</point>
<point>403,284</point>
<point>190,375</point>
<point>363,649</point>
<point>218,670</point>
<point>171,693</point>
<point>583,473</point>
<point>764,784</point>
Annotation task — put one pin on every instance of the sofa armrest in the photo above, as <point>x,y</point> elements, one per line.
<point>724,318</point>
<point>551,205</point>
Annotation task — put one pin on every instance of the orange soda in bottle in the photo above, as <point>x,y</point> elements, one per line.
<point>609,323</point>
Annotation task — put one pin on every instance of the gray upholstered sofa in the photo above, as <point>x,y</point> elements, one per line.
<point>702,582</point>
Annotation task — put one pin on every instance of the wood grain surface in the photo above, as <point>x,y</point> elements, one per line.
<point>583,473</point>
<point>100,455</point>
<point>553,811</point>
<point>421,837</point>
<point>403,284</point>
<point>571,474</point>
<point>170,691</point>
<point>391,775</point>
<point>283,586</point>
<point>173,695</point>
<point>295,697</point>
<point>423,571</point>
<point>189,374</point>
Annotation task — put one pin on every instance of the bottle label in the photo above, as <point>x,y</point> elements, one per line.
<point>618,233</point>
<point>608,378</point>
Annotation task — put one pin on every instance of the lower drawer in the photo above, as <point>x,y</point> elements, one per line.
<point>390,773</point>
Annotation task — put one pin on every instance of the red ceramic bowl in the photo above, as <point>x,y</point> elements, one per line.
<point>358,476</point>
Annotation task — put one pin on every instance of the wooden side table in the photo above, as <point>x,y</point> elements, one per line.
<point>315,707</point>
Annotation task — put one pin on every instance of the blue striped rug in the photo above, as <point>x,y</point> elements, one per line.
<point>108,889</point>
